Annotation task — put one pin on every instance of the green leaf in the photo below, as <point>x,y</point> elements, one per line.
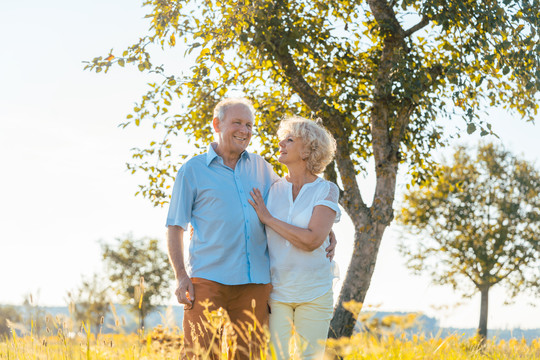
<point>471,128</point>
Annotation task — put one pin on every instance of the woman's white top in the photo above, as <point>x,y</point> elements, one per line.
<point>298,275</point>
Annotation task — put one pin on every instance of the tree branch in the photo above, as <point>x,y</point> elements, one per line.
<point>386,159</point>
<point>402,122</point>
<point>476,283</point>
<point>423,23</point>
<point>333,119</point>
<point>404,114</point>
<point>386,18</point>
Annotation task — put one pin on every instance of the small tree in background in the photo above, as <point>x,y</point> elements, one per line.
<point>128,262</point>
<point>479,225</point>
<point>8,313</point>
<point>90,302</point>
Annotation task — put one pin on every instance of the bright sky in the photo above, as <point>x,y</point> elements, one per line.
<point>63,177</point>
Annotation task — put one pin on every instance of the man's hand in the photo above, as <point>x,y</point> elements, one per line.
<point>185,292</point>
<point>331,249</point>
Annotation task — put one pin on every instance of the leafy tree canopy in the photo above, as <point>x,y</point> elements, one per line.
<point>328,58</point>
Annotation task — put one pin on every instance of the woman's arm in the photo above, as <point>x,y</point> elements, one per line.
<point>308,239</point>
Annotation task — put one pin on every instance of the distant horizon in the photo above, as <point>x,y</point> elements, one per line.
<point>179,308</point>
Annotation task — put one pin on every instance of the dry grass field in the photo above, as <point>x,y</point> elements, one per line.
<point>166,345</point>
<point>60,342</point>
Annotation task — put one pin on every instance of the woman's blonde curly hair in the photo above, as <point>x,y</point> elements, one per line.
<point>319,144</point>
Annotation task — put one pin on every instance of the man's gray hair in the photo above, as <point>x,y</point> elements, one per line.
<point>223,105</point>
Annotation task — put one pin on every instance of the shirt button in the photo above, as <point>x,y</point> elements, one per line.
<point>245,205</point>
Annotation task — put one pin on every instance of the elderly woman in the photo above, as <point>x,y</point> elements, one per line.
<point>299,214</point>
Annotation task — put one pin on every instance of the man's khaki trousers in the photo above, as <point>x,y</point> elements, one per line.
<point>247,308</point>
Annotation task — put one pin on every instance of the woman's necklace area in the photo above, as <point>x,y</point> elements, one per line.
<point>297,188</point>
<point>296,191</point>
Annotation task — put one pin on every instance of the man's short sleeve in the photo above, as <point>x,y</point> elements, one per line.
<point>183,197</point>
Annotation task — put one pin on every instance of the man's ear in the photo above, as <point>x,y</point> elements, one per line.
<point>215,124</point>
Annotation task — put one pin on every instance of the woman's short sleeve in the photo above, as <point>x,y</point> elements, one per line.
<point>329,197</point>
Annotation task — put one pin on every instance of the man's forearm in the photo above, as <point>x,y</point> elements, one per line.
<point>175,246</point>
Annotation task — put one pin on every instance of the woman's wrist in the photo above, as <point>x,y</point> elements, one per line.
<point>268,220</point>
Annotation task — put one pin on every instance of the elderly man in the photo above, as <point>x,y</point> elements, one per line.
<point>228,260</point>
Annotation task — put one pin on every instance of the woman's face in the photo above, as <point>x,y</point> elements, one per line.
<point>291,150</point>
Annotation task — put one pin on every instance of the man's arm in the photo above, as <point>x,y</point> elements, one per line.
<point>184,287</point>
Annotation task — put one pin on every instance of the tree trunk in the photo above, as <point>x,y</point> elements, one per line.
<point>389,120</point>
<point>482,325</point>
<point>357,280</point>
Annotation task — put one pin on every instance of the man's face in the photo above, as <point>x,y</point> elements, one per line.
<point>234,132</point>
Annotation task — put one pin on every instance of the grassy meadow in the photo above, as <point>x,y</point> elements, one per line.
<point>162,343</point>
<point>167,346</point>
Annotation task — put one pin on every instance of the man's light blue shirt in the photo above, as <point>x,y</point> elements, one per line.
<point>229,242</point>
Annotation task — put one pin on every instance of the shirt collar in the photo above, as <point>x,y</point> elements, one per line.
<point>211,154</point>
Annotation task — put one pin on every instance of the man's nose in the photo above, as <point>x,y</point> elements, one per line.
<point>245,129</point>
